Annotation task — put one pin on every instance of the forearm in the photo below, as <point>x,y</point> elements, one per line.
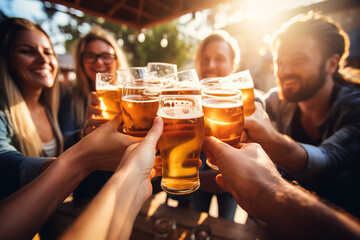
<point>296,214</point>
<point>113,211</point>
<point>285,152</point>
<point>38,200</point>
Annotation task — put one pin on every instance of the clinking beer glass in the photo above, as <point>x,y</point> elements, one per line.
<point>181,141</point>
<point>140,101</point>
<point>223,113</point>
<point>107,89</point>
<point>245,83</point>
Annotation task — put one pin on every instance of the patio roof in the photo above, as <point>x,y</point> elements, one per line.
<point>139,13</point>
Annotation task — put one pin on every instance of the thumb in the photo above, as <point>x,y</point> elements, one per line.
<point>215,148</point>
<point>115,123</point>
<point>155,132</point>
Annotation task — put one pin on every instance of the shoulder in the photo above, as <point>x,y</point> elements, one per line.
<point>350,96</point>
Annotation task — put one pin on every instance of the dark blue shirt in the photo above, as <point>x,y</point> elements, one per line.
<point>333,166</point>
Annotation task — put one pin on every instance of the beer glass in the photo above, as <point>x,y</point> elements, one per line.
<point>133,73</point>
<point>181,141</point>
<point>223,113</point>
<point>140,102</point>
<point>182,83</point>
<point>107,89</point>
<point>159,69</point>
<point>245,83</point>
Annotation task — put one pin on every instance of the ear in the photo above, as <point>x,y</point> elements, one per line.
<point>332,64</point>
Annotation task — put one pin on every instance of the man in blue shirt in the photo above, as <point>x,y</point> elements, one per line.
<point>312,126</point>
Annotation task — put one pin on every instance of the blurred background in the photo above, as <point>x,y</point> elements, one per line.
<point>170,31</point>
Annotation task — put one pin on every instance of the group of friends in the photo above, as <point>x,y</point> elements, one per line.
<point>305,131</point>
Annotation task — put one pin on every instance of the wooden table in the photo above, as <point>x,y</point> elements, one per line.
<point>186,220</point>
<point>143,228</point>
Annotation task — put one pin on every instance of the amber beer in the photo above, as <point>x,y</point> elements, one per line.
<point>180,146</point>
<point>245,84</point>
<point>249,100</point>
<point>181,92</point>
<point>138,113</point>
<point>224,119</point>
<point>109,101</point>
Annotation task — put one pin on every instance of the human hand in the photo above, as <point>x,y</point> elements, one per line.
<point>246,173</point>
<point>92,119</point>
<point>258,126</point>
<point>103,149</point>
<point>141,156</point>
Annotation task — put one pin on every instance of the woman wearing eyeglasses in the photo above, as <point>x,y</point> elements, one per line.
<point>96,52</point>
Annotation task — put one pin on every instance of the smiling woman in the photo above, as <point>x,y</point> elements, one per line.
<point>28,102</point>
<point>96,52</point>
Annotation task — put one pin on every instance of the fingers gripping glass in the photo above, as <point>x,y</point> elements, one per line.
<point>91,58</point>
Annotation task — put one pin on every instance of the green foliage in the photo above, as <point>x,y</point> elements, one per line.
<point>180,48</point>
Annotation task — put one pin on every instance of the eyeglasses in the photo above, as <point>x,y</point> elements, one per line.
<point>91,58</point>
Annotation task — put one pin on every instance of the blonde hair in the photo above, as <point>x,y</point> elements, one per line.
<point>83,84</point>
<point>218,35</point>
<point>27,139</point>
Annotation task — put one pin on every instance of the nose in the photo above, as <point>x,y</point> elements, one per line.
<point>282,69</point>
<point>42,57</point>
<point>211,63</point>
<point>98,60</point>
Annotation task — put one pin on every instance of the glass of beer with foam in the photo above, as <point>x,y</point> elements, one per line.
<point>245,83</point>
<point>182,83</point>
<point>140,101</point>
<point>223,113</point>
<point>107,89</point>
<point>181,141</point>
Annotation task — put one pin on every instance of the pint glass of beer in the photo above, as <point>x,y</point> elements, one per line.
<point>223,114</point>
<point>181,141</point>
<point>140,102</point>
<point>182,83</point>
<point>245,83</point>
<point>107,89</point>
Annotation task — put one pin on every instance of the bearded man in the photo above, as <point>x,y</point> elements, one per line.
<point>311,127</point>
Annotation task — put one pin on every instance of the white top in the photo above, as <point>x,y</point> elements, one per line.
<point>50,148</point>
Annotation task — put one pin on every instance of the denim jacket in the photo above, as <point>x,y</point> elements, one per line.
<point>15,169</point>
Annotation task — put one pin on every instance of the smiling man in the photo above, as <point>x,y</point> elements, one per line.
<point>315,110</point>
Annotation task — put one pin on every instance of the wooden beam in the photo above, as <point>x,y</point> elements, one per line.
<point>140,10</point>
<point>95,13</point>
<point>112,11</point>
<point>77,2</point>
<point>134,10</point>
<point>161,4</point>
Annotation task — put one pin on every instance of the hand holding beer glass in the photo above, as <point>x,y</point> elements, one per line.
<point>107,89</point>
<point>181,141</point>
<point>223,113</point>
<point>245,83</point>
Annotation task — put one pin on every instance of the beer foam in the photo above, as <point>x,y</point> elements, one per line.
<point>179,113</point>
<point>107,87</point>
<point>221,103</point>
<point>138,98</point>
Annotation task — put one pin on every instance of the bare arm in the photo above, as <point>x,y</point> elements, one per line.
<point>113,211</point>
<point>251,177</point>
<point>39,199</point>
<point>283,150</point>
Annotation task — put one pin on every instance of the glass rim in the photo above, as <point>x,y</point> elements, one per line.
<point>238,93</point>
<point>160,63</point>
